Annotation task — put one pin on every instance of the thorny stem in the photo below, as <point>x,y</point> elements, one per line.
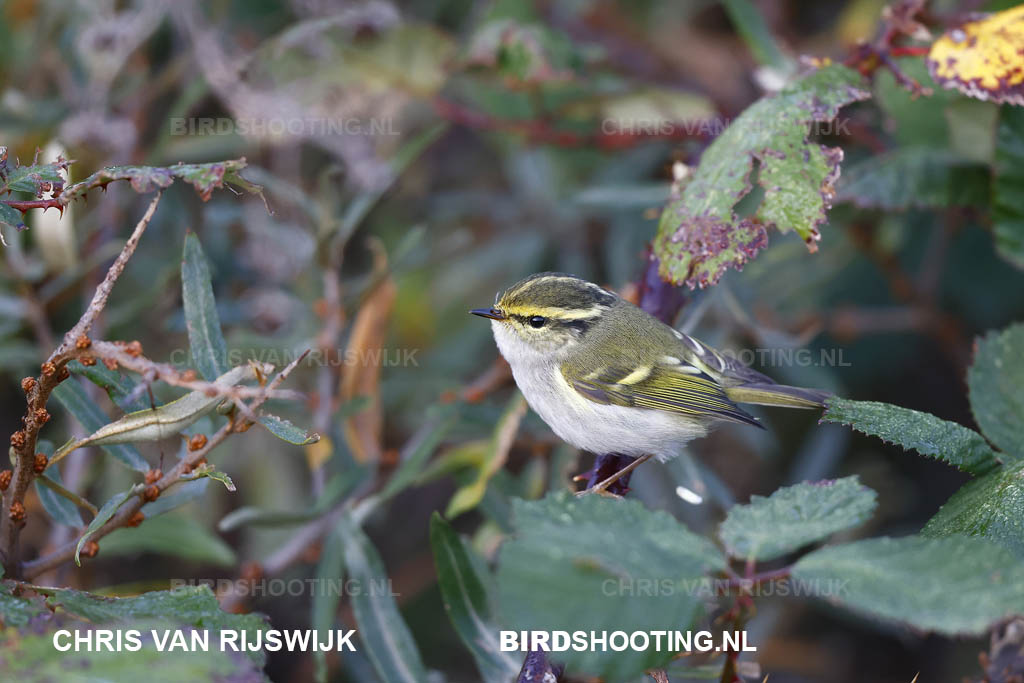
<point>174,476</point>
<point>23,443</point>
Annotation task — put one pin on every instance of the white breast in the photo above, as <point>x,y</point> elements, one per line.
<point>591,426</point>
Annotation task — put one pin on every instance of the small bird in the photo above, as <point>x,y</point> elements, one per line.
<point>608,377</point>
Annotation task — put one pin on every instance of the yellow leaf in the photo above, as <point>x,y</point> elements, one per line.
<point>983,59</point>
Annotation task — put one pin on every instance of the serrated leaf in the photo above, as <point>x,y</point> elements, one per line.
<point>579,563</point>
<point>915,177</point>
<point>983,58</point>
<point>928,435</point>
<point>794,516</point>
<point>468,604</point>
<point>1008,185</point>
<point>995,382</point>
<point>991,507</point>
<point>31,656</point>
<point>203,177</point>
<point>177,536</point>
<point>286,431</point>
<point>383,632</point>
<point>101,518</point>
<point>206,342</point>
<point>955,585</point>
<point>700,235</point>
<point>60,509</point>
<point>11,217</point>
<point>73,397</point>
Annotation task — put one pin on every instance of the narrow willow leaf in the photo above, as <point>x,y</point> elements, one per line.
<point>755,32</point>
<point>991,507</point>
<point>467,603</point>
<point>415,454</point>
<point>336,488</point>
<point>286,431</point>
<point>211,472</point>
<point>996,384</point>
<point>73,397</point>
<point>954,585</point>
<point>583,562</point>
<point>101,518</point>
<point>1008,186</point>
<point>118,387</point>
<point>928,435</point>
<point>209,350</point>
<point>16,610</point>
<point>793,516</point>
<point>384,634</point>
<point>329,571</point>
<point>60,509</point>
<point>154,424</point>
<point>174,498</point>
<point>177,536</point>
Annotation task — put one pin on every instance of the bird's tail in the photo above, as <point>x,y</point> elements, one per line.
<point>777,395</point>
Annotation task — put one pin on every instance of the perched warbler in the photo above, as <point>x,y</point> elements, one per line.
<point>608,377</point>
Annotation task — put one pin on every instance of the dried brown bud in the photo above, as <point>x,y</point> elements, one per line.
<point>28,384</point>
<point>133,348</point>
<point>153,476</point>
<point>18,439</point>
<point>39,464</point>
<point>17,511</point>
<point>151,493</point>
<point>87,361</point>
<point>5,479</point>
<point>83,342</point>
<point>63,374</point>
<point>135,519</point>
<point>196,442</point>
<point>110,363</point>
<point>201,461</point>
<point>41,416</point>
<point>242,426</point>
<point>48,369</point>
<point>89,549</point>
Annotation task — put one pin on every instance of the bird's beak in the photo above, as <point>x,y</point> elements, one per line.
<point>492,313</point>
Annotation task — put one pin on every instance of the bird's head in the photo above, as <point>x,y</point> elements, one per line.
<point>546,312</point>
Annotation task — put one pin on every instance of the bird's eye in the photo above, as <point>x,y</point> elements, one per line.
<point>537,321</point>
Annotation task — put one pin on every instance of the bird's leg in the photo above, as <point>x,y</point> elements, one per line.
<point>602,487</point>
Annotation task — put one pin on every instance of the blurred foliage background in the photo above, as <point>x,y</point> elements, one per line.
<point>480,142</point>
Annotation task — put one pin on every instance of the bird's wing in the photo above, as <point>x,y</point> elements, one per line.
<point>672,385</point>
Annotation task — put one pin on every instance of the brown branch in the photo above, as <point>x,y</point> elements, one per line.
<point>38,390</point>
<point>127,512</point>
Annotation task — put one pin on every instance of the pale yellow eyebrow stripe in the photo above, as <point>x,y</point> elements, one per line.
<point>556,313</point>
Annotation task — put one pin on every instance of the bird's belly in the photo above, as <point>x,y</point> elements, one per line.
<point>601,428</point>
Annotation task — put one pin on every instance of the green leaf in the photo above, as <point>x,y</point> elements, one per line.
<point>755,33</point>
<point>336,488</point>
<point>954,585</point>
<point>415,455</point>
<point>174,498</point>
<point>468,604</point>
<point>601,564</point>
<point>210,472</point>
<point>118,387</point>
<point>928,435</point>
<point>915,177</point>
<point>177,536</point>
<point>384,634</point>
<point>60,509</point>
<point>101,518</point>
<point>31,656</point>
<point>193,605</point>
<point>286,431</point>
<point>793,516</point>
<point>16,611</point>
<point>209,350</point>
<point>325,602</point>
<point>73,397</point>
<point>700,234</point>
<point>991,507</point>
<point>469,495</point>
<point>1008,185</point>
<point>11,217</point>
<point>996,388</point>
